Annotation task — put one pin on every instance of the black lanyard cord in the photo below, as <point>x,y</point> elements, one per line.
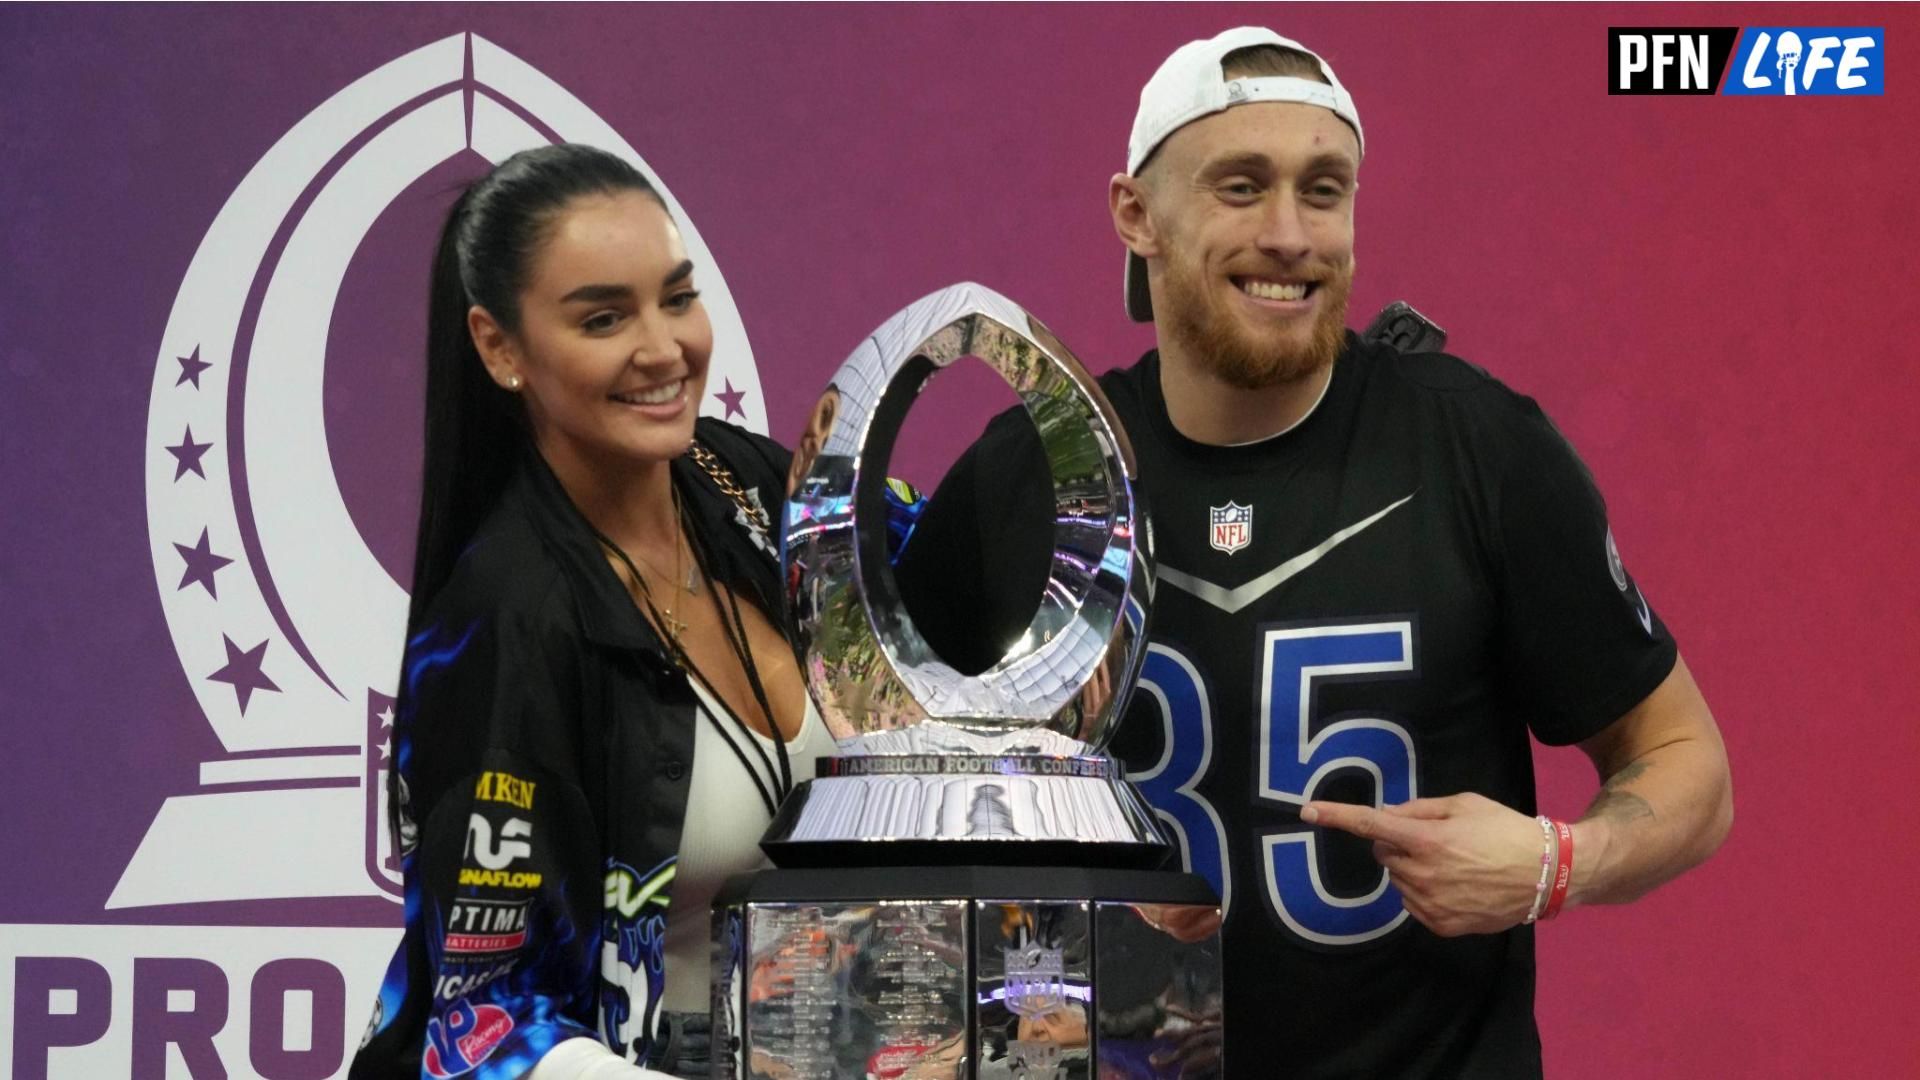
<point>735,627</point>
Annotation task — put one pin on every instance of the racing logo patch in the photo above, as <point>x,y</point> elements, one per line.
<point>633,931</point>
<point>461,1039</point>
<point>506,788</point>
<point>464,981</point>
<point>479,927</point>
<point>514,842</point>
<point>1229,527</point>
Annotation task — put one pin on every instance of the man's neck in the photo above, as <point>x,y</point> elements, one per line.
<point>1216,413</point>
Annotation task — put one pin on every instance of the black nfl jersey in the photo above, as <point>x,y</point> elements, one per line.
<point>1375,606</point>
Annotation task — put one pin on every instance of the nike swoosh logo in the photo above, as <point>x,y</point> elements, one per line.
<point>1232,600</point>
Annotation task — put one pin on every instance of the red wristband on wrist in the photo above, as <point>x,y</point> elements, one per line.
<point>1562,871</point>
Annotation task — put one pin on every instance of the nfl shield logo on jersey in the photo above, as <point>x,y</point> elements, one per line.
<point>1230,527</point>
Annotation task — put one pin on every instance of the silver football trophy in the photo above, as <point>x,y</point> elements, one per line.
<point>967,889</point>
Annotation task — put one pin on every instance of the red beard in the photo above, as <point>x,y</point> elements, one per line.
<point>1216,342</point>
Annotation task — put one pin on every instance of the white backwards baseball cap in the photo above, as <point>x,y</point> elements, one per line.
<point>1190,84</point>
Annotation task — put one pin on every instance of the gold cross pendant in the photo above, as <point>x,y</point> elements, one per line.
<point>674,627</point>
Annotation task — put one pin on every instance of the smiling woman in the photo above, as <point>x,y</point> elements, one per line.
<point>591,676</point>
<point>612,345</point>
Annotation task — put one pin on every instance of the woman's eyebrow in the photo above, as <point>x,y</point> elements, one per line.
<point>598,293</point>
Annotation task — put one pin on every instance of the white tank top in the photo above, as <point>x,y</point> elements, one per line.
<point>724,822</point>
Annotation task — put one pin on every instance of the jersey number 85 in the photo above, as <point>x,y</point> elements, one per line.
<point>1294,759</point>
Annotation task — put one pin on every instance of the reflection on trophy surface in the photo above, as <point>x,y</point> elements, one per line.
<point>1009,755</point>
<point>966,889</point>
<point>819,424</point>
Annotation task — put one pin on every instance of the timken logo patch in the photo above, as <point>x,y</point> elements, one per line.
<point>506,788</point>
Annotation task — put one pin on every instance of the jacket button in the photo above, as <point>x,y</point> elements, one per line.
<point>676,770</point>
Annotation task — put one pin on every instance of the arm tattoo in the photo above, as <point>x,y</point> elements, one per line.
<point>1617,804</point>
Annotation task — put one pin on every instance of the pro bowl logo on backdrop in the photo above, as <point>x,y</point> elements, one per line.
<point>287,627</point>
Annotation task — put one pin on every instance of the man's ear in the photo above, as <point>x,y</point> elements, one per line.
<point>1126,201</point>
<point>496,348</point>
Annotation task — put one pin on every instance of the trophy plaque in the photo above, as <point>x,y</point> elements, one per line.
<point>968,888</point>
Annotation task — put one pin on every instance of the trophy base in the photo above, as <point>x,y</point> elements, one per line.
<point>963,972</point>
<point>946,809</point>
<point>831,854</point>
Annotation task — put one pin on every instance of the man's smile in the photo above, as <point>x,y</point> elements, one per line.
<point>1282,294</point>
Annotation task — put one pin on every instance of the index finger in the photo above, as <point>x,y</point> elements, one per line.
<point>1364,822</point>
<point>1431,809</point>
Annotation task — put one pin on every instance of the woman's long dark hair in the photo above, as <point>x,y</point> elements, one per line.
<point>475,430</point>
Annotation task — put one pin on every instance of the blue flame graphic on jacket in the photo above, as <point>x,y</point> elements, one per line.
<point>633,933</point>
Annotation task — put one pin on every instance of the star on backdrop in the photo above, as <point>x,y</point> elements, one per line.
<point>385,716</point>
<point>188,455</point>
<point>201,564</point>
<point>191,367</point>
<point>243,673</point>
<point>732,398</point>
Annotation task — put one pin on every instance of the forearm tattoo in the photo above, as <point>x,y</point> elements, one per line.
<point>1616,803</point>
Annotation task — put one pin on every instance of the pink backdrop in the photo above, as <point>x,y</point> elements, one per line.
<point>1713,296</point>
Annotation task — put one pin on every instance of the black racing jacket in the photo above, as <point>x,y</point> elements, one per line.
<point>544,747</point>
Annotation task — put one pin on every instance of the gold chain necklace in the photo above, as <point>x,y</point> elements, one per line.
<point>672,624</point>
<point>756,518</point>
<point>723,479</point>
<point>682,577</point>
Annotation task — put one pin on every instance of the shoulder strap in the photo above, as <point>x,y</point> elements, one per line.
<point>729,486</point>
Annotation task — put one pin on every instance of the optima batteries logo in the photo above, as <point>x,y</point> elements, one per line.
<point>1787,61</point>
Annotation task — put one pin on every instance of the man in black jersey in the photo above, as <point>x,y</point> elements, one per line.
<point>1378,573</point>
